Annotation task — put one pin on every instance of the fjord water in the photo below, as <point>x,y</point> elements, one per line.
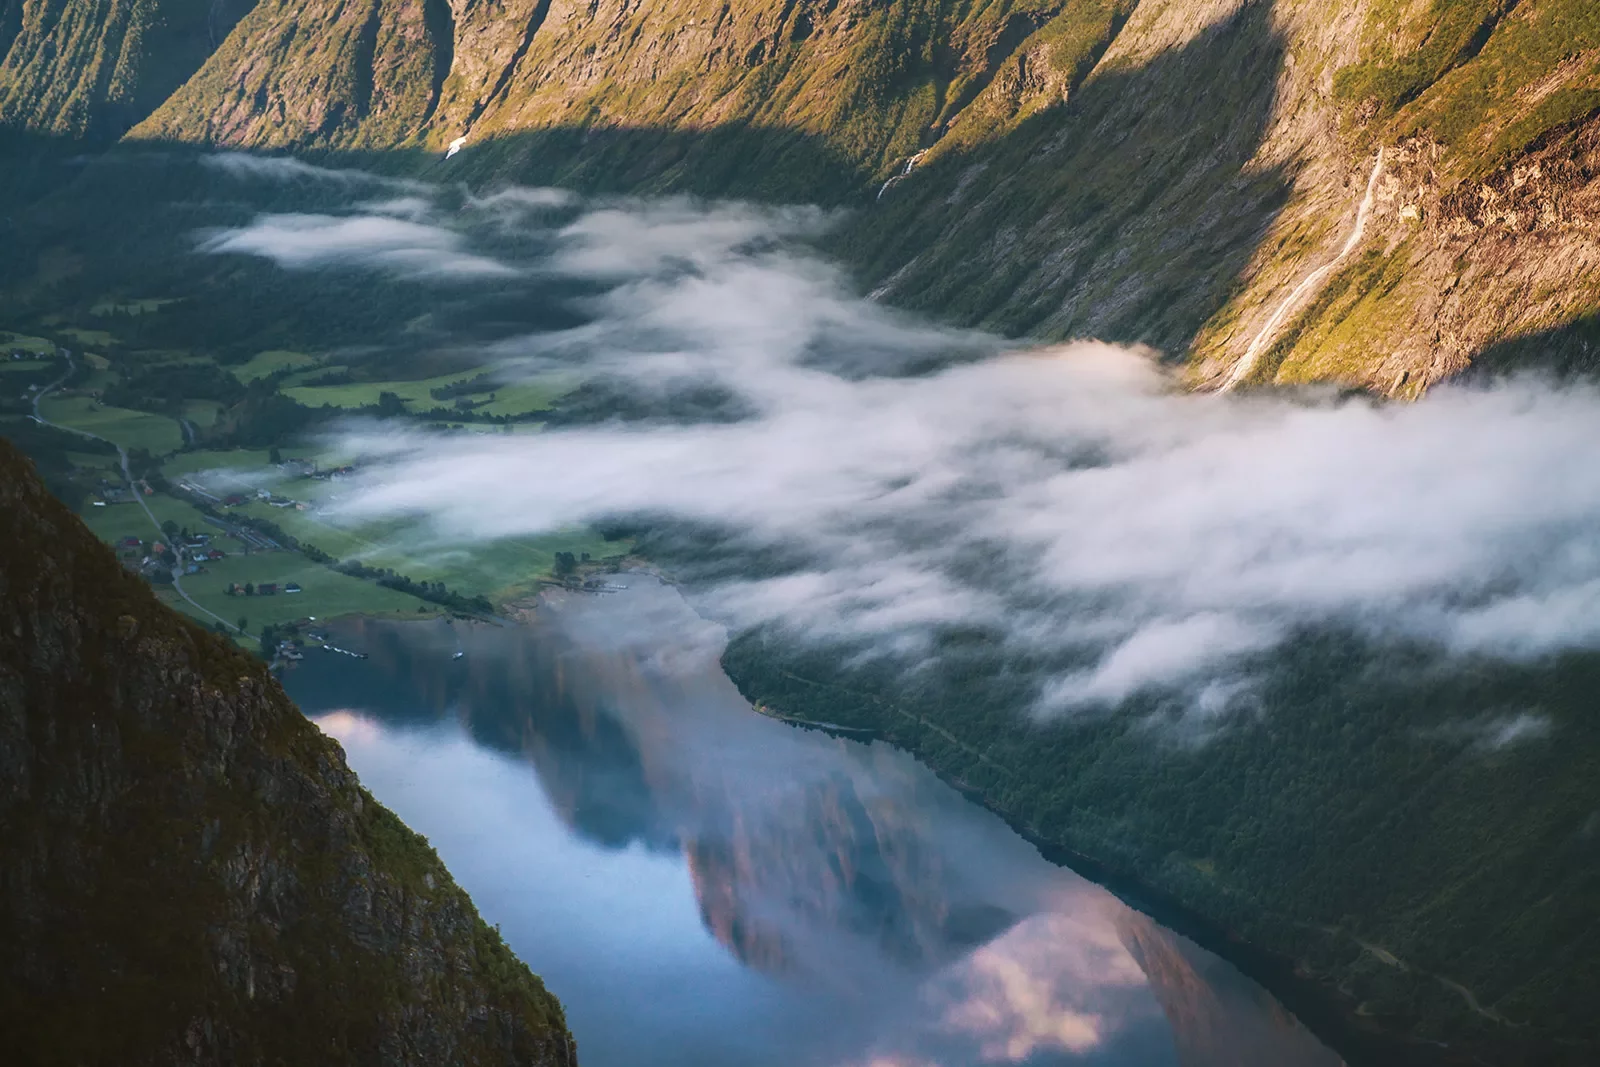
<point>702,885</point>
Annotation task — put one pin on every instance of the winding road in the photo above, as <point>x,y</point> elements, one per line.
<point>1269,332</point>
<point>122,454</point>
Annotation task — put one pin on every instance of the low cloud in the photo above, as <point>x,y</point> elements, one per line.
<point>282,169</point>
<point>1494,732</point>
<point>1066,501</point>
<point>385,242</point>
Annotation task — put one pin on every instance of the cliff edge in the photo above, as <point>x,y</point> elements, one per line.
<point>191,873</point>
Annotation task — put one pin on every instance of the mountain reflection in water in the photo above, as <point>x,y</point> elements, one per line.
<point>704,886</point>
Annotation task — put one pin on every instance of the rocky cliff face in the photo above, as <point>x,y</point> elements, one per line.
<point>1158,171</point>
<point>191,873</point>
<point>90,69</point>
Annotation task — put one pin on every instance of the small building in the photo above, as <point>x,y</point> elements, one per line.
<point>233,500</point>
<point>216,554</point>
<point>291,587</point>
<point>267,589</point>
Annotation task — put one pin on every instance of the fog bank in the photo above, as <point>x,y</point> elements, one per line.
<point>1066,500</point>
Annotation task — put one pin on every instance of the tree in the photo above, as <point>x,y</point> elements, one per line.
<point>249,590</point>
<point>169,528</point>
<point>566,563</point>
<point>390,404</point>
<point>244,624</point>
<point>274,456</point>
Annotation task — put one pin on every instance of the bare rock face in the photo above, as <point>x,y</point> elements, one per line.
<point>191,874</point>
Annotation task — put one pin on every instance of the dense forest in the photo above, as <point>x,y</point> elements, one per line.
<point>1340,818</point>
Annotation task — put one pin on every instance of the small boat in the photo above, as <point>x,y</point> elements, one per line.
<point>458,655</point>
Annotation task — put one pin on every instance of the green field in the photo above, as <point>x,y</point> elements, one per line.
<point>301,377</point>
<point>116,521</point>
<point>271,362</point>
<point>365,394</point>
<point>500,570</point>
<point>522,398</point>
<point>10,341</point>
<point>327,593</point>
<point>99,338</point>
<point>216,459</point>
<point>336,541</point>
<point>99,460</point>
<point>519,398</point>
<point>25,364</point>
<point>130,429</point>
<point>203,413</point>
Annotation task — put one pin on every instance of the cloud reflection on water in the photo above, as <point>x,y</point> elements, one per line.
<point>874,915</point>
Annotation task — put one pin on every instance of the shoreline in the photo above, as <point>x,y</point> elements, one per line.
<point>1328,1013</point>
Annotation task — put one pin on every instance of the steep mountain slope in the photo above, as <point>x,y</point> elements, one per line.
<point>90,69</point>
<point>191,873</point>
<point>1165,171</point>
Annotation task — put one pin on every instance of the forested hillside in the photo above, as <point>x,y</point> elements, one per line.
<point>1442,877</point>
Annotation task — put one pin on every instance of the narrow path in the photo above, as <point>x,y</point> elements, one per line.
<point>1389,959</point>
<point>122,455</point>
<point>1269,332</point>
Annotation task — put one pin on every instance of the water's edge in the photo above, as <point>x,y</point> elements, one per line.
<point>1327,1012</point>
<point>1324,1009</point>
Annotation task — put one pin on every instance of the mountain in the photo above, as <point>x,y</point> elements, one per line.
<point>89,69</point>
<point>1384,194</point>
<point>191,872</point>
<point>1158,171</point>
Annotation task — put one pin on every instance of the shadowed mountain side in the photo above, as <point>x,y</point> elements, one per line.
<point>191,872</point>
<point>1567,351</point>
<point>741,161</point>
<point>1126,213</point>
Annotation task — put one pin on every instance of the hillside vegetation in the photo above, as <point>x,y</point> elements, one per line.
<point>1163,171</point>
<point>192,872</point>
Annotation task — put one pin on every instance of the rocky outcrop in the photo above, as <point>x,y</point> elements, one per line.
<point>191,873</point>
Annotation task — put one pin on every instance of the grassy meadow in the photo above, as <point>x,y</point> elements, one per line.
<point>156,434</point>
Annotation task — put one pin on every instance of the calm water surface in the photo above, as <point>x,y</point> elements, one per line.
<point>704,887</point>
